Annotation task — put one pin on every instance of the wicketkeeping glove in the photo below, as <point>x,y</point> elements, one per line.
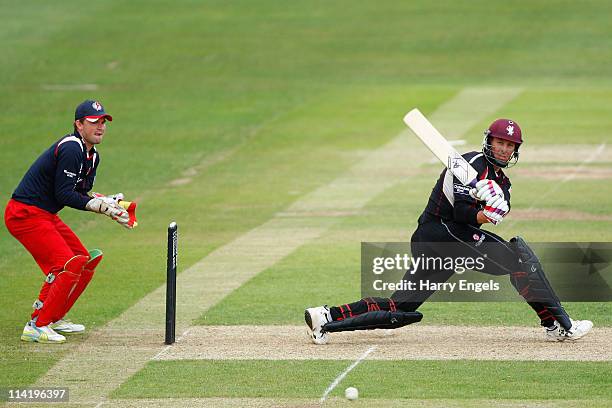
<point>486,189</point>
<point>129,206</point>
<point>108,207</point>
<point>496,209</point>
<point>116,197</point>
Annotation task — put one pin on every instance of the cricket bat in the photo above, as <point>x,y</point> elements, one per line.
<point>440,147</point>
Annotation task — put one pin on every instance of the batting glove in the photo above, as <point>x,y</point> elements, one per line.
<point>496,209</point>
<point>486,189</point>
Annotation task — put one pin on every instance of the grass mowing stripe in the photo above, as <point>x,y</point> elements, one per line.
<point>458,115</point>
<point>374,379</point>
<point>227,379</point>
<point>570,176</point>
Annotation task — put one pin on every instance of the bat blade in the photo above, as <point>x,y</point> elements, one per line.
<point>440,147</point>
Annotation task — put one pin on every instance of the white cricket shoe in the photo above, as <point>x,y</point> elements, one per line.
<point>579,329</point>
<point>316,318</point>
<point>64,326</point>
<point>43,334</point>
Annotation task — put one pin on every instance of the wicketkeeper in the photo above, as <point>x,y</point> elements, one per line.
<point>454,214</point>
<point>62,176</point>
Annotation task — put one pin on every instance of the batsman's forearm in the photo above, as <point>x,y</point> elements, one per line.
<point>480,217</point>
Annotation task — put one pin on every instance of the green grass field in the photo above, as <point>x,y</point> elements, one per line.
<point>411,380</point>
<point>254,119</point>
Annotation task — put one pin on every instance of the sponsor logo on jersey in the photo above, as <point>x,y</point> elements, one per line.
<point>461,189</point>
<point>479,240</point>
<point>69,174</point>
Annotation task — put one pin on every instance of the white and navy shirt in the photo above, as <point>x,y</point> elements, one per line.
<point>451,201</point>
<point>61,176</point>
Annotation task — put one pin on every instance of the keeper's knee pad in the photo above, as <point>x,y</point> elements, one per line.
<point>61,287</point>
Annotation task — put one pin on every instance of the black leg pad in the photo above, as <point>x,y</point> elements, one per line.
<point>533,285</point>
<point>380,319</point>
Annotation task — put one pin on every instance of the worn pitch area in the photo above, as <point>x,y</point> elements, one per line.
<point>414,342</point>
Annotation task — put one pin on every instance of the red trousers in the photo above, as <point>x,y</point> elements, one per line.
<point>52,245</point>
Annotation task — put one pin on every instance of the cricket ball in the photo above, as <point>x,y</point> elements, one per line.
<point>351,393</point>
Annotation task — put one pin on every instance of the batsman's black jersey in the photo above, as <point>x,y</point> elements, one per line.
<point>450,200</point>
<point>61,176</point>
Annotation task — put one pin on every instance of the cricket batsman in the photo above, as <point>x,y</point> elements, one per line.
<point>455,214</point>
<point>62,176</point>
